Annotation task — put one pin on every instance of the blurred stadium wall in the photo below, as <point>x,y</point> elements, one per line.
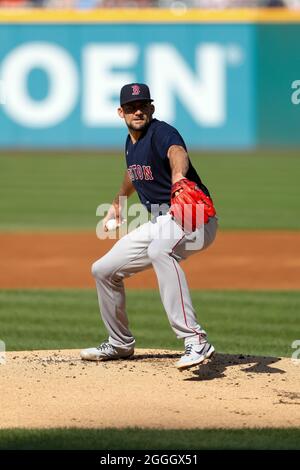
<point>225,79</point>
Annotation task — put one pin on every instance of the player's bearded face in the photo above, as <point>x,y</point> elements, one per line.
<point>137,114</point>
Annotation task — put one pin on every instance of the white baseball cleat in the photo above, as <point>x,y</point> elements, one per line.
<point>195,354</point>
<point>105,352</point>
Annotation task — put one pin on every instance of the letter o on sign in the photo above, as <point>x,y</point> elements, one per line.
<point>63,84</point>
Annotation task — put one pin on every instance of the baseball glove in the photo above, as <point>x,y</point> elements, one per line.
<point>190,206</point>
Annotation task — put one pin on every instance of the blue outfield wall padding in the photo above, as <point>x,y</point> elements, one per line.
<point>222,85</point>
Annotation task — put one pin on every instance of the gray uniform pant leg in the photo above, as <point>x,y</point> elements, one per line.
<point>165,256</point>
<point>126,257</point>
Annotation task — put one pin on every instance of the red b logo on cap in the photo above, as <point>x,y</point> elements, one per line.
<point>135,90</point>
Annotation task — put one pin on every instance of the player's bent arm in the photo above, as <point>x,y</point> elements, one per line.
<point>179,162</point>
<point>126,188</point>
<point>115,210</point>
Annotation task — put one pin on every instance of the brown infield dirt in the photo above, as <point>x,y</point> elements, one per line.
<point>47,389</point>
<point>236,260</point>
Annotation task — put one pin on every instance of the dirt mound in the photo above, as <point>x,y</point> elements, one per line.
<point>47,389</point>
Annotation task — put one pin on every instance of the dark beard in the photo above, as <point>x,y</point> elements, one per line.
<point>140,129</point>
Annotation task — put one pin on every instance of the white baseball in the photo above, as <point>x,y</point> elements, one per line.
<point>111,224</point>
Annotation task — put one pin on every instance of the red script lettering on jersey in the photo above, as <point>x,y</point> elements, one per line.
<point>138,172</point>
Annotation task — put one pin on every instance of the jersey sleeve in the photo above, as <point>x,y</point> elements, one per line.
<point>163,137</point>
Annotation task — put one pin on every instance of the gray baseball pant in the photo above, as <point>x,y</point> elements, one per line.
<point>162,244</point>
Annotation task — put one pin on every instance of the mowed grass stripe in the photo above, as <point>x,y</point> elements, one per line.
<point>253,190</point>
<point>256,323</point>
<point>128,439</point>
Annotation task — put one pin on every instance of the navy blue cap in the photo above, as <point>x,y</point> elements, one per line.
<point>134,92</point>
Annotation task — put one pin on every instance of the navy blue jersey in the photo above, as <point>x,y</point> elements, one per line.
<point>148,165</point>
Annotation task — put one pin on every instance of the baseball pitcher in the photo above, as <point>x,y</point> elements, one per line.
<point>183,222</point>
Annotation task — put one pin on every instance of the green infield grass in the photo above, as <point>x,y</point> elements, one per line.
<point>256,323</point>
<point>133,438</point>
<point>258,190</point>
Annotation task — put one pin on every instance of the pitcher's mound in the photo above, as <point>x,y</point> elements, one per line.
<point>47,389</point>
